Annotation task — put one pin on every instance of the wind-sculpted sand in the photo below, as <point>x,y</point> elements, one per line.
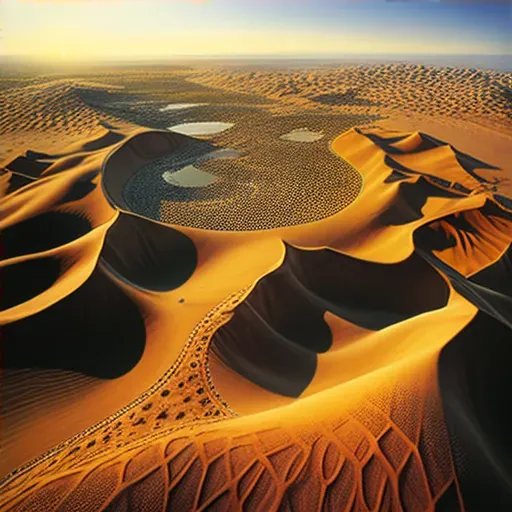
<point>346,351</point>
<point>470,94</point>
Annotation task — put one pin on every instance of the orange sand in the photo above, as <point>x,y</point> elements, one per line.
<point>184,430</point>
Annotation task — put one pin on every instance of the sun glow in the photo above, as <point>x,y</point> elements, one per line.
<point>127,29</point>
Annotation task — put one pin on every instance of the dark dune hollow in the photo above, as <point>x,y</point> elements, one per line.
<point>409,201</point>
<point>137,151</point>
<point>148,255</point>
<point>28,166</point>
<point>382,142</point>
<point>41,233</point>
<point>36,155</point>
<point>427,143</point>
<point>276,333</point>
<point>371,295</point>
<point>23,281</point>
<point>108,139</point>
<point>506,202</point>
<point>498,276</point>
<point>15,181</point>
<point>391,162</point>
<point>429,237</point>
<point>80,188</point>
<point>397,166</point>
<point>385,143</point>
<point>471,164</point>
<point>483,296</point>
<point>348,98</point>
<point>475,383</point>
<point>395,176</point>
<point>96,330</point>
<point>252,347</point>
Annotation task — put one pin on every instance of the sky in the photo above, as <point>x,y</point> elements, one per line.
<point>167,29</point>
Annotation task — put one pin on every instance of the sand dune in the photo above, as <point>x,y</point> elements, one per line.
<point>277,332</point>
<point>353,358</point>
<point>467,93</point>
<point>50,116</point>
<point>148,255</point>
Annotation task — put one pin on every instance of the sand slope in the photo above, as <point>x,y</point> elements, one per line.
<point>329,365</point>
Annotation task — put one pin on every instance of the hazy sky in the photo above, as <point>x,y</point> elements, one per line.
<point>83,29</point>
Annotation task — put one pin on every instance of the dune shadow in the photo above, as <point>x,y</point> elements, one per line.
<point>471,164</point>
<point>275,335</point>
<point>409,201</point>
<point>423,142</point>
<point>387,143</point>
<point>122,164</point>
<point>15,181</point>
<point>277,332</point>
<point>408,171</point>
<point>371,295</point>
<point>27,166</point>
<point>23,281</point>
<point>41,233</point>
<point>26,169</point>
<point>107,125</point>
<point>80,188</point>
<point>433,237</point>
<point>96,330</point>
<point>108,139</point>
<point>430,239</point>
<point>504,201</point>
<point>475,385</point>
<point>36,155</point>
<point>347,98</point>
<point>148,255</point>
<point>484,296</point>
<point>396,176</point>
<point>497,276</point>
<point>249,345</point>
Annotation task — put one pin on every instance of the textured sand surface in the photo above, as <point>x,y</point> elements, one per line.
<point>324,327</point>
<point>473,95</point>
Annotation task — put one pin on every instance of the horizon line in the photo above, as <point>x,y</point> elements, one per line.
<point>258,55</point>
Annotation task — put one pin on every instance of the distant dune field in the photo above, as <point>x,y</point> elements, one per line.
<point>307,305</point>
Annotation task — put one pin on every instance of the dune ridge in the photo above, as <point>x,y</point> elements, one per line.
<point>321,365</point>
<point>52,116</point>
<point>436,201</point>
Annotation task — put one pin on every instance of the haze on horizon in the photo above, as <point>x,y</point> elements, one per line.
<point>148,29</point>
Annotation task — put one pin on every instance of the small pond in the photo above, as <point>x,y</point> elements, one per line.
<point>302,135</point>
<point>206,128</point>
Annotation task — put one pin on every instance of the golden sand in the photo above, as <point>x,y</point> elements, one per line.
<point>220,401</point>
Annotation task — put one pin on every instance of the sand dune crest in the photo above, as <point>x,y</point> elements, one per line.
<point>340,362</point>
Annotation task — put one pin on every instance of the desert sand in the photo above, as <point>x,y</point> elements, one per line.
<point>319,325</point>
